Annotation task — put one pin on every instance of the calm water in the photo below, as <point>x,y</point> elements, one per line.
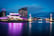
<point>35,28</point>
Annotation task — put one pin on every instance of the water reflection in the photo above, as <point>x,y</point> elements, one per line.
<point>30,26</point>
<point>50,28</point>
<point>28,29</point>
<point>15,29</point>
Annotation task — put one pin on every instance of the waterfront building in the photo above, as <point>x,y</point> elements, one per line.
<point>14,16</point>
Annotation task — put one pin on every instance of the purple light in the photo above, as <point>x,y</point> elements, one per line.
<point>3,17</point>
<point>3,9</point>
<point>15,14</point>
<point>23,18</point>
<point>3,22</point>
<point>15,29</point>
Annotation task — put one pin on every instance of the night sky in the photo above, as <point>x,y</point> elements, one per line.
<point>38,7</point>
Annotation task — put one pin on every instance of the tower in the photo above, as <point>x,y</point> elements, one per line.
<point>3,12</point>
<point>50,18</point>
<point>30,18</point>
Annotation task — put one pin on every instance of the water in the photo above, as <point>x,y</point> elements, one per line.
<point>34,28</point>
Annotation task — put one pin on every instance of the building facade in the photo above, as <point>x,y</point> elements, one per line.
<point>3,13</point>
<point>23,12</point>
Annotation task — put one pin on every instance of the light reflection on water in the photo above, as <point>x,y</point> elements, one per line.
<point>29,29</point>
<point>50,28</point>
<point>15,29</point>
<point>30,26</point>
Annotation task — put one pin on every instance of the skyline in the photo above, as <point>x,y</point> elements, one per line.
<point>34,6</point>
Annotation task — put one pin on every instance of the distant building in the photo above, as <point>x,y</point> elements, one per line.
<point>52,15</point>
<point>35,18</point>
<point>0,14</point>
<point>23,12</point>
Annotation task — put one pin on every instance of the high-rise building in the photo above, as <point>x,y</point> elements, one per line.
<point>3,12</point>
<point>23,12</point>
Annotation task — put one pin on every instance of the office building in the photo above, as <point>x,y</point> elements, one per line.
<point>23,12</point>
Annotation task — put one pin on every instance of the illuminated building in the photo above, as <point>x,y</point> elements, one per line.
<point>3,18</point>
<point>23,12</point>
<point>14,16</point>
<point>51,17</point>
<point>3,12</point>
<point>47,19</point>
<point>34,18</point>
<point>30,18</point>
